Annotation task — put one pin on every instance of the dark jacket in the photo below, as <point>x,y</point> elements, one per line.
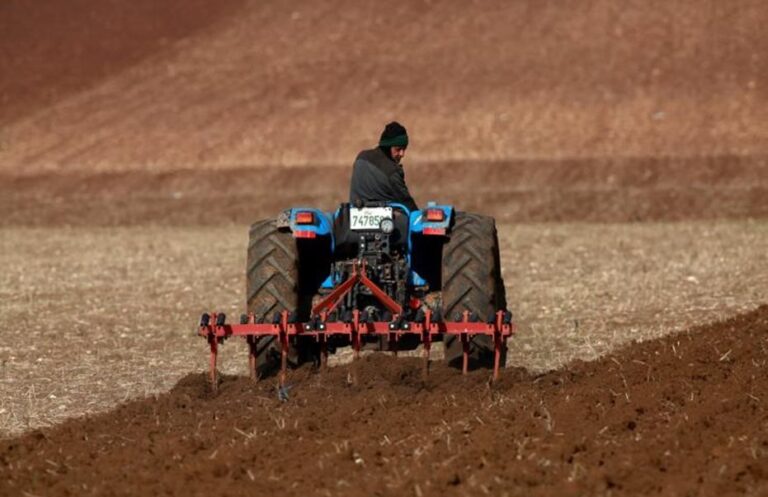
<point>376,177</point>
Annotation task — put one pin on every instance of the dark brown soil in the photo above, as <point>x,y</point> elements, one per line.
<point>683,415</point>
<point>603,190</point>
<point>52,49</point>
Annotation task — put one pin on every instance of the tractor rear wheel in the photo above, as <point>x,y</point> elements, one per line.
<point>471,281</point>
<point>273,285</point>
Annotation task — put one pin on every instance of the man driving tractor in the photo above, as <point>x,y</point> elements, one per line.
<point>377,270</point>
<point>378,175</point>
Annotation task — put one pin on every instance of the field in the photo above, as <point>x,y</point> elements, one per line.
<point>631,201</point>
<point>674,416</point>
<point>109,313</point>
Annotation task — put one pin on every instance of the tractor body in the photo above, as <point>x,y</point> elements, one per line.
<point>391,243</point>
<point>371,273</point>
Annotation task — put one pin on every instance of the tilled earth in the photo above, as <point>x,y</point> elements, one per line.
<point>681,415</point>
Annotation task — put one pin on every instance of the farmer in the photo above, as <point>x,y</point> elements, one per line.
<point>377,174</point>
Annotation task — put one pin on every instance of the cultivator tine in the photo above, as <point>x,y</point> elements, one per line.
<point>394,343</point>
<point>497,346</point>
<point>321,337</point>
<point>499,341</point>
<point>252,346</point>
<point>284,346</point>
<point>464,353</point>
<point>427,342</point>
<point>214,340</point>
<point>356,334</point>
<point>214,343</point>
<point>423,319</point>
<point>323,351</point>
<point>252,356</point>
<point>465,345</point>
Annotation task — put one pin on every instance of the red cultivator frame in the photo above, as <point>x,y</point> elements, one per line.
<point>425,325</point>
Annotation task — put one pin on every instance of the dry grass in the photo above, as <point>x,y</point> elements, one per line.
<point>96,316</point>
<point>581,290</point>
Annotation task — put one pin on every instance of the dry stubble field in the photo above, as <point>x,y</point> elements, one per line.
<point>96,316</point>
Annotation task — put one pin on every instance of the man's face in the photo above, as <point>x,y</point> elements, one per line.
<point>397,154</point>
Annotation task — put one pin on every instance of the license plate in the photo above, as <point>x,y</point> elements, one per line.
<point>368,218</point>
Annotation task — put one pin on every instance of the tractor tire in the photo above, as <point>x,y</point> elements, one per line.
<point>471,281</point>
<point>272,285</point>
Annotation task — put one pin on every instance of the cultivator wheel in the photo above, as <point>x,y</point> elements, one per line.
<point>471,281</point>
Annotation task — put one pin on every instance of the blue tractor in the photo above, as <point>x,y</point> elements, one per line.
<point>380,262</point>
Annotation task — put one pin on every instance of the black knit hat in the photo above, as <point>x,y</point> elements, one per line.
<point>394,135</point>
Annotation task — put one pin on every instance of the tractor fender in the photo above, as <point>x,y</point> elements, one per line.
<point>420,225</point>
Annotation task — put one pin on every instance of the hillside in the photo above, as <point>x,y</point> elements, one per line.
<point>105,86</point>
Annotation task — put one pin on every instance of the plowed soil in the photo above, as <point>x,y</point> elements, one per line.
<point>683,415</point>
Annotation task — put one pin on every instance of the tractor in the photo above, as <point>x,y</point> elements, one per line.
<point>370,275</point>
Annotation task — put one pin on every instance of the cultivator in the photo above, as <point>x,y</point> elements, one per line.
<point>424,325</point>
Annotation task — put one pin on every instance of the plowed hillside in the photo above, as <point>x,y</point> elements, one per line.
<point>683,415</point>
<point>113,85</point>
